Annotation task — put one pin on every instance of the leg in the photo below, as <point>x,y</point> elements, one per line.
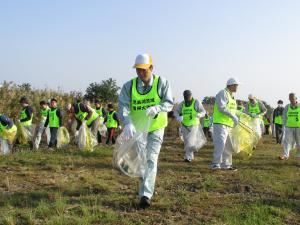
<point>288,142</point>
<point>187,149</point>
<point>53,138</point>
<point>297,139</point>
<point>154,142</point>
<point>113,136</point>
<point>95,126</point>
<point>39,135</point>
<point>227,155</point>
<point>108,136</point>
<point>220,134</point>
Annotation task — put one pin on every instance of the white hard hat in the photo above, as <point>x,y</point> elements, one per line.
<point>143,61</point>
<point>232,81</point>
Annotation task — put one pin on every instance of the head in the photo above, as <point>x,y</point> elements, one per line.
<point>232,85</point>
<point>97,103</point>
<point>252,99</point>
<point>24,101</point>
<point>144,67</point>
<point>70,108</point>
<point>293,99</point>
<point>280,103</point>
<point>110,107</point>
<point>187,95</point>
<point>43,104</point>
<point>53,103</point>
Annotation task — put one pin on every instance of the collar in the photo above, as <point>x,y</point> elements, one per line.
<point>141,83</point>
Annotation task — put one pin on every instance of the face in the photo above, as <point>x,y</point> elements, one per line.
<point>98,105</point>
<point>144,74</point>
<point>44,106</point>
<point>252,100</point>
<point>293,99</point>
<point>53,104</point>
<point>188,98</point>
<point>233,88</point>
<point>23,104</point>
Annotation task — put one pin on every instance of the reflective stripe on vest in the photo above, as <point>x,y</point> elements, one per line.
<point>189,114</point>
<point>53,118</point>
<point>140,102</point>
<point>293,117</point>
<point>24,116</point>
<point>221,118</point>
<point>111,122</point>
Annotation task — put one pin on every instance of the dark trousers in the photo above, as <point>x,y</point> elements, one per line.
<point>99,137</point>
<point>111,133</point>
<point>206,132</point>
<point>267,129</point>
<point>53,137</point>
<point>278,133</point>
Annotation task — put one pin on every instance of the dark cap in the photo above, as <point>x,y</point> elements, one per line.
<point>187,93</point>
<point>53,100</point>
<point>24,100</point>
<point>280,102</point>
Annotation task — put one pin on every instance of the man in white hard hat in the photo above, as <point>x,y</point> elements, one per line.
<point>188,113</point>
<point>152,94</point>
<point>224,119</point>
<point>291,122</point>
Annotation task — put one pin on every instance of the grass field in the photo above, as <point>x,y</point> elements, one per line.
<point>72,187</point>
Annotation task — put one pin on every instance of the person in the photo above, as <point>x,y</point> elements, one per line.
<point>206,124</point>
<point>7,133</point>
<point>54,121</point>
<point>112,123</point>
<point>240,106</point>
<point>267,123</point>
<point>151,94</point>
<point>291,121</point>
<point>277,121</point>
<point>256,109</point>
<point>44,109</point>
<point>102,114</point>
<point>83,112</point>
<point>188,113</point>
<point>224,119</point>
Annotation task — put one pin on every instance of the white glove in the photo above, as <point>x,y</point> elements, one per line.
<point>179,119</point>
<point>152,111</point>
<point>200,115</point>
<point>119,127</point>
<point>235,120</point>
<point>76,134</point>
<point>129,131</point>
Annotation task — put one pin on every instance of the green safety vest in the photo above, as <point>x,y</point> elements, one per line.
<point>189,114</point>
<point>111,122</point>
<point>206,122</point>
<point>221,118</point>
<point>24,116</point>
<point>82,115</point>
<point>140,103</point>
<point>44,113</point>
<point>53,118</point>
<point>293,117</point>
<point>278,120</point>
<point>266,122</point>
<point>241,108</point>
<point>254,109</point>
<point>99,111</point>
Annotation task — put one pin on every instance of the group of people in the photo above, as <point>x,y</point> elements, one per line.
<point>151,94</point>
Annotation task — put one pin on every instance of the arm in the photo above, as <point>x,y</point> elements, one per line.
<point>284,114</point>
<point>103,113</point>
<point>116,117</point>
<point>221,101</point>
<point>165,93</point>
<point>124,103</point>
<point>200,109</point>
<point>59,115</point>
<point>47,119</point>
<point>177,111</point>
<point>263,109</point>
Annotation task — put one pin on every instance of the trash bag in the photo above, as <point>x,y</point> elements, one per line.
<point>243,137</point>
<point>63,137</point>
<point>130,156</point>
<point>25,134</point>
<point>195,138</point>
<point>180,133</point>
<point>10,134</point>
<point>86,140</point>
<point>102,130</point>
<point>4,146</point>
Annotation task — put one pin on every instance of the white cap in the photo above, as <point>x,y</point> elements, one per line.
<point>143,61</point>
<point>232,81</point>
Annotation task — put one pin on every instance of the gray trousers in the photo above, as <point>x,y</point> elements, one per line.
<point>290,139</point>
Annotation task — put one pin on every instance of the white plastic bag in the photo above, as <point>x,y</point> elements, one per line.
<point>63,137</point>
<point>4,147</point>
<point>180,133</point>
<point>195,138</point>
<point>86,140</point>
<point>102,130</point>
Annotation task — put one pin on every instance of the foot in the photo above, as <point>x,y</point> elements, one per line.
<point>231,168</point>
<point>215,167</point>
<point>187,160</point>
<point>145,202</point>
<point>282,157</point>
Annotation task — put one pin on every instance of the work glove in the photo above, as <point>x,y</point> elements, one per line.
<point>200,115</point>
<point>235,120</point>
<point>179,119</point>
<point>152,111</point>
<point>129,131</point>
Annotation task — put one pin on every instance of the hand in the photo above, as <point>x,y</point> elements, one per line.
<point>200,115</point>
<point>76,134</point>
<point>152,111</point>
<point>235,120</point>
<point>120,127</point>
<point>179,119</point>
<point>129,131</point>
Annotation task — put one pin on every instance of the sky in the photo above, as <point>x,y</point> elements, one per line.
<point>196,45</point>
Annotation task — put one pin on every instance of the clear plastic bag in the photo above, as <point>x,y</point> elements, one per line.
<point>130,156</point>
<point>86,140</point>
<point>63,137</point>
<point>102,130</point>
<point>4,146</point>
<point>180,133</point>
<point>243,137</point>
<point>25,134</point>
<point>195,138</point>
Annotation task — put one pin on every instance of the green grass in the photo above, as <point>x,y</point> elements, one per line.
<point>73,187</point>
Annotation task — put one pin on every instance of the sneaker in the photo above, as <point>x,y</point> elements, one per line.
<point>187,160</point>
<point>230,168</point>
<point>215,167</point>
<point>144,202</point>
<point>282,157</point>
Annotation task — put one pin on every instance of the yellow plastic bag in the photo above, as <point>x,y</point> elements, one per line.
<point>9,134</point>
<point>63,137</point>
<point>24,134</point>
<point>86,140</point>
<point>243,137</point>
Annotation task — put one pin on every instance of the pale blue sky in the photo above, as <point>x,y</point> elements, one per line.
<point>196,45</point>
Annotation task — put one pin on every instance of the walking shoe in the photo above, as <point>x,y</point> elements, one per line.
<point>230,168</point>
<point>144,202</point>
<point>187,160</point>
<point>215,167</point>
<point>282,157</point>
